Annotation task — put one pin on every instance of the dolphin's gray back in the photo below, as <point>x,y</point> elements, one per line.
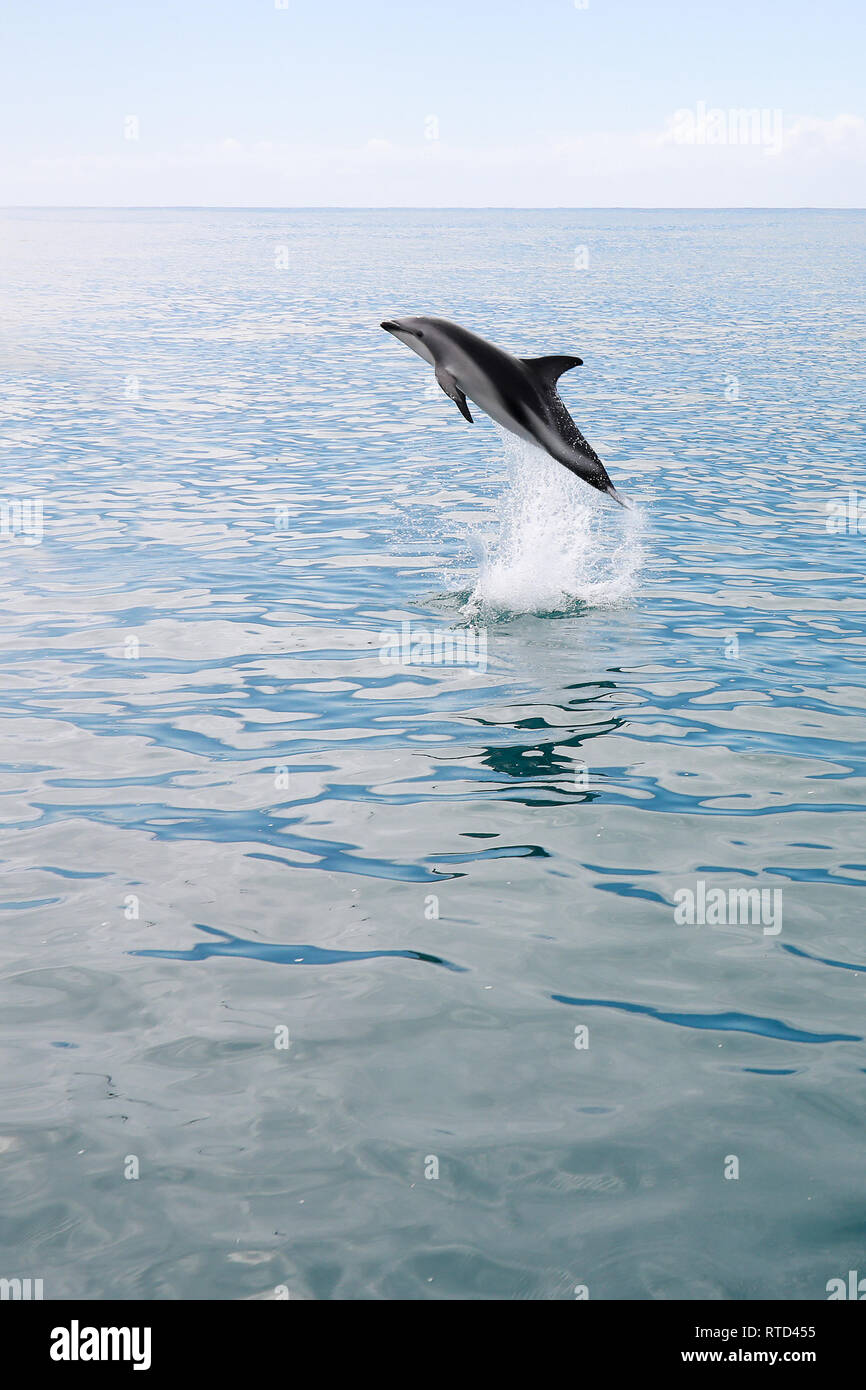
<point>500,366</point>
<point>519,391</point>
<point>526,386</point>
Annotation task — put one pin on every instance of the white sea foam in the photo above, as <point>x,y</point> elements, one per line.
<point>558,541</point>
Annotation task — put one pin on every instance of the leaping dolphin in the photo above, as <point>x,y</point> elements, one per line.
<point>519,393</point>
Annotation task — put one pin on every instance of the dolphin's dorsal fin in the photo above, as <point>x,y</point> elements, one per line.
<point>550,369</point>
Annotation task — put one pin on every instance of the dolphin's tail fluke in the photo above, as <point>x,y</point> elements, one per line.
<point>612,492</point>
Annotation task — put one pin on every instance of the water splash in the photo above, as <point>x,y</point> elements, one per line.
<point>559,543</point>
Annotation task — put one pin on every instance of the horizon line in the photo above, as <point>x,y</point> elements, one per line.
<point>429,207</point>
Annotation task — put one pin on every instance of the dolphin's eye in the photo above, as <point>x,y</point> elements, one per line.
<point>420,334</point>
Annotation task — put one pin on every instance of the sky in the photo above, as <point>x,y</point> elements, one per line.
<point>433,103</point>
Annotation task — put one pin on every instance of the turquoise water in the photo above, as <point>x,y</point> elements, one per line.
<point>235,817</point>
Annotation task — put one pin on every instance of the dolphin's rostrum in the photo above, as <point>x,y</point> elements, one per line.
<point>519,393</point>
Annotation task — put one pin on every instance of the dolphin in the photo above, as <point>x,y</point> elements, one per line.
<point>519,393</point>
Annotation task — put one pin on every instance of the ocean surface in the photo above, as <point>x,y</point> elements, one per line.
<point>380,804</point>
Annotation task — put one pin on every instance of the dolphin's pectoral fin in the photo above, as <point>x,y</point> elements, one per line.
<point>450,387</point>
<point>550,369</point>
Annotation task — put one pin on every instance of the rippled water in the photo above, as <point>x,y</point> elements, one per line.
<point>230,808</point>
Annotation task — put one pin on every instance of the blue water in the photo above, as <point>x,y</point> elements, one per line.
<point>212,769</point>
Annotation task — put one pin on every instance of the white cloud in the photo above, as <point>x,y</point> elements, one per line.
<point>819,162</point>
<point>839,133</point>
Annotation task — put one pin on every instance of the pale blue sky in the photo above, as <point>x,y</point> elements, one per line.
<point>539,103</point>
